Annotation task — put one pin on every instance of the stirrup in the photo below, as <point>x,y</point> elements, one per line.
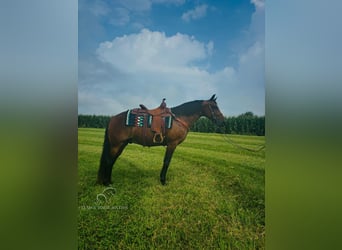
<point>160,136</point>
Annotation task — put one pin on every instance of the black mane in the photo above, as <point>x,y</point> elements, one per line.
<point>188,108</point>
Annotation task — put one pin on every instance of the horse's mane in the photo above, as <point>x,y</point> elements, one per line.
<point>188,108</point>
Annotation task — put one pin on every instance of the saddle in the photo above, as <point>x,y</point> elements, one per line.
<point>158,120</point>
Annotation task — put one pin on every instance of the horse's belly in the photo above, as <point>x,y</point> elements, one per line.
<point>145,137</point>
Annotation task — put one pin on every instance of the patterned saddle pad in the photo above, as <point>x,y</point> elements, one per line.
<point>138,119</point>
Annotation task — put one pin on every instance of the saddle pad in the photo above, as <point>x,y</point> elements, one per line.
<point>138,120</point>
<point>168,121</point>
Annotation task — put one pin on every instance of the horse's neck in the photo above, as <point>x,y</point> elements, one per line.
<point>190,120</point>
<point>193,113</point>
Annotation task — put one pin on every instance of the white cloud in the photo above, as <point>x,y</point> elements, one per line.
<point>94,103</point>
<point>144,5</point>
<point>258,3</point>
<point>244,86</point>
<point>143,68</point>
<point>197,13</point>
<point>120,17</point>
<point>257,26</point>
<point>151,51</point>
<point>176,2</point>
<point>122,12</point>
<point>251,68</point>
<point>254,51</point>
<point>100,8</point>
<point>210,47</point>
<point>135,5</point>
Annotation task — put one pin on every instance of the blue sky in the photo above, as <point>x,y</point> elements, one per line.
<point>140,51</point>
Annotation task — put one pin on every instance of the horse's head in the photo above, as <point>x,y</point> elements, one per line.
<point>212,111</point>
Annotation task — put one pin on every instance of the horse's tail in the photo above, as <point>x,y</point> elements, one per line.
<point>103,176</point>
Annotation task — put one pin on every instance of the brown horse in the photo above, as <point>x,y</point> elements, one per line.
<point>118,135</point>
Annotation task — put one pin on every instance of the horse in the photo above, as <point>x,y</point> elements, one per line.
<point>118,135</point>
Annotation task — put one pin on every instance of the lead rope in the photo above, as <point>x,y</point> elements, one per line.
<point>225,137</point>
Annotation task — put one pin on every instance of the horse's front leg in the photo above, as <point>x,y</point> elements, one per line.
<point>167,158</point>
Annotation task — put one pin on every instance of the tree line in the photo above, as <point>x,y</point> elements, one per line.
<point>244,124</point>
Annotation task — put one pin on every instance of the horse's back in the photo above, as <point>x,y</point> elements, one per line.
<point>119,132</point>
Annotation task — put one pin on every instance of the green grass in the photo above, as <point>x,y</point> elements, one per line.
<point>214,197</point>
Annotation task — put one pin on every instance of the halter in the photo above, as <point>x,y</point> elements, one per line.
<point>213,116</point>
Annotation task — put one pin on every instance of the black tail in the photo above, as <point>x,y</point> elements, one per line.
<point>106,162</point>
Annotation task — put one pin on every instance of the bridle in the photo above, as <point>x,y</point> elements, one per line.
<point>213,116</point>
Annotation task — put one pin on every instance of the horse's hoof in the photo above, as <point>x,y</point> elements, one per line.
<point>163,182</point>
<point>104,183</point>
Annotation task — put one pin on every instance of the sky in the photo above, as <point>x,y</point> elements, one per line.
<point>141,51</point>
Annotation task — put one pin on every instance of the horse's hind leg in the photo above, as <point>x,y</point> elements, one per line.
<point>108,158</point>
<point>116,151</point>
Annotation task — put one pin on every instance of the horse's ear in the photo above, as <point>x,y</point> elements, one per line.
<point>213,98</point>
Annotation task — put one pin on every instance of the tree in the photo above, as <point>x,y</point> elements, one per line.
<point>246,123</point>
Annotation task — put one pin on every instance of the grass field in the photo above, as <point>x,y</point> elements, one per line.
<point>214,197</point>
